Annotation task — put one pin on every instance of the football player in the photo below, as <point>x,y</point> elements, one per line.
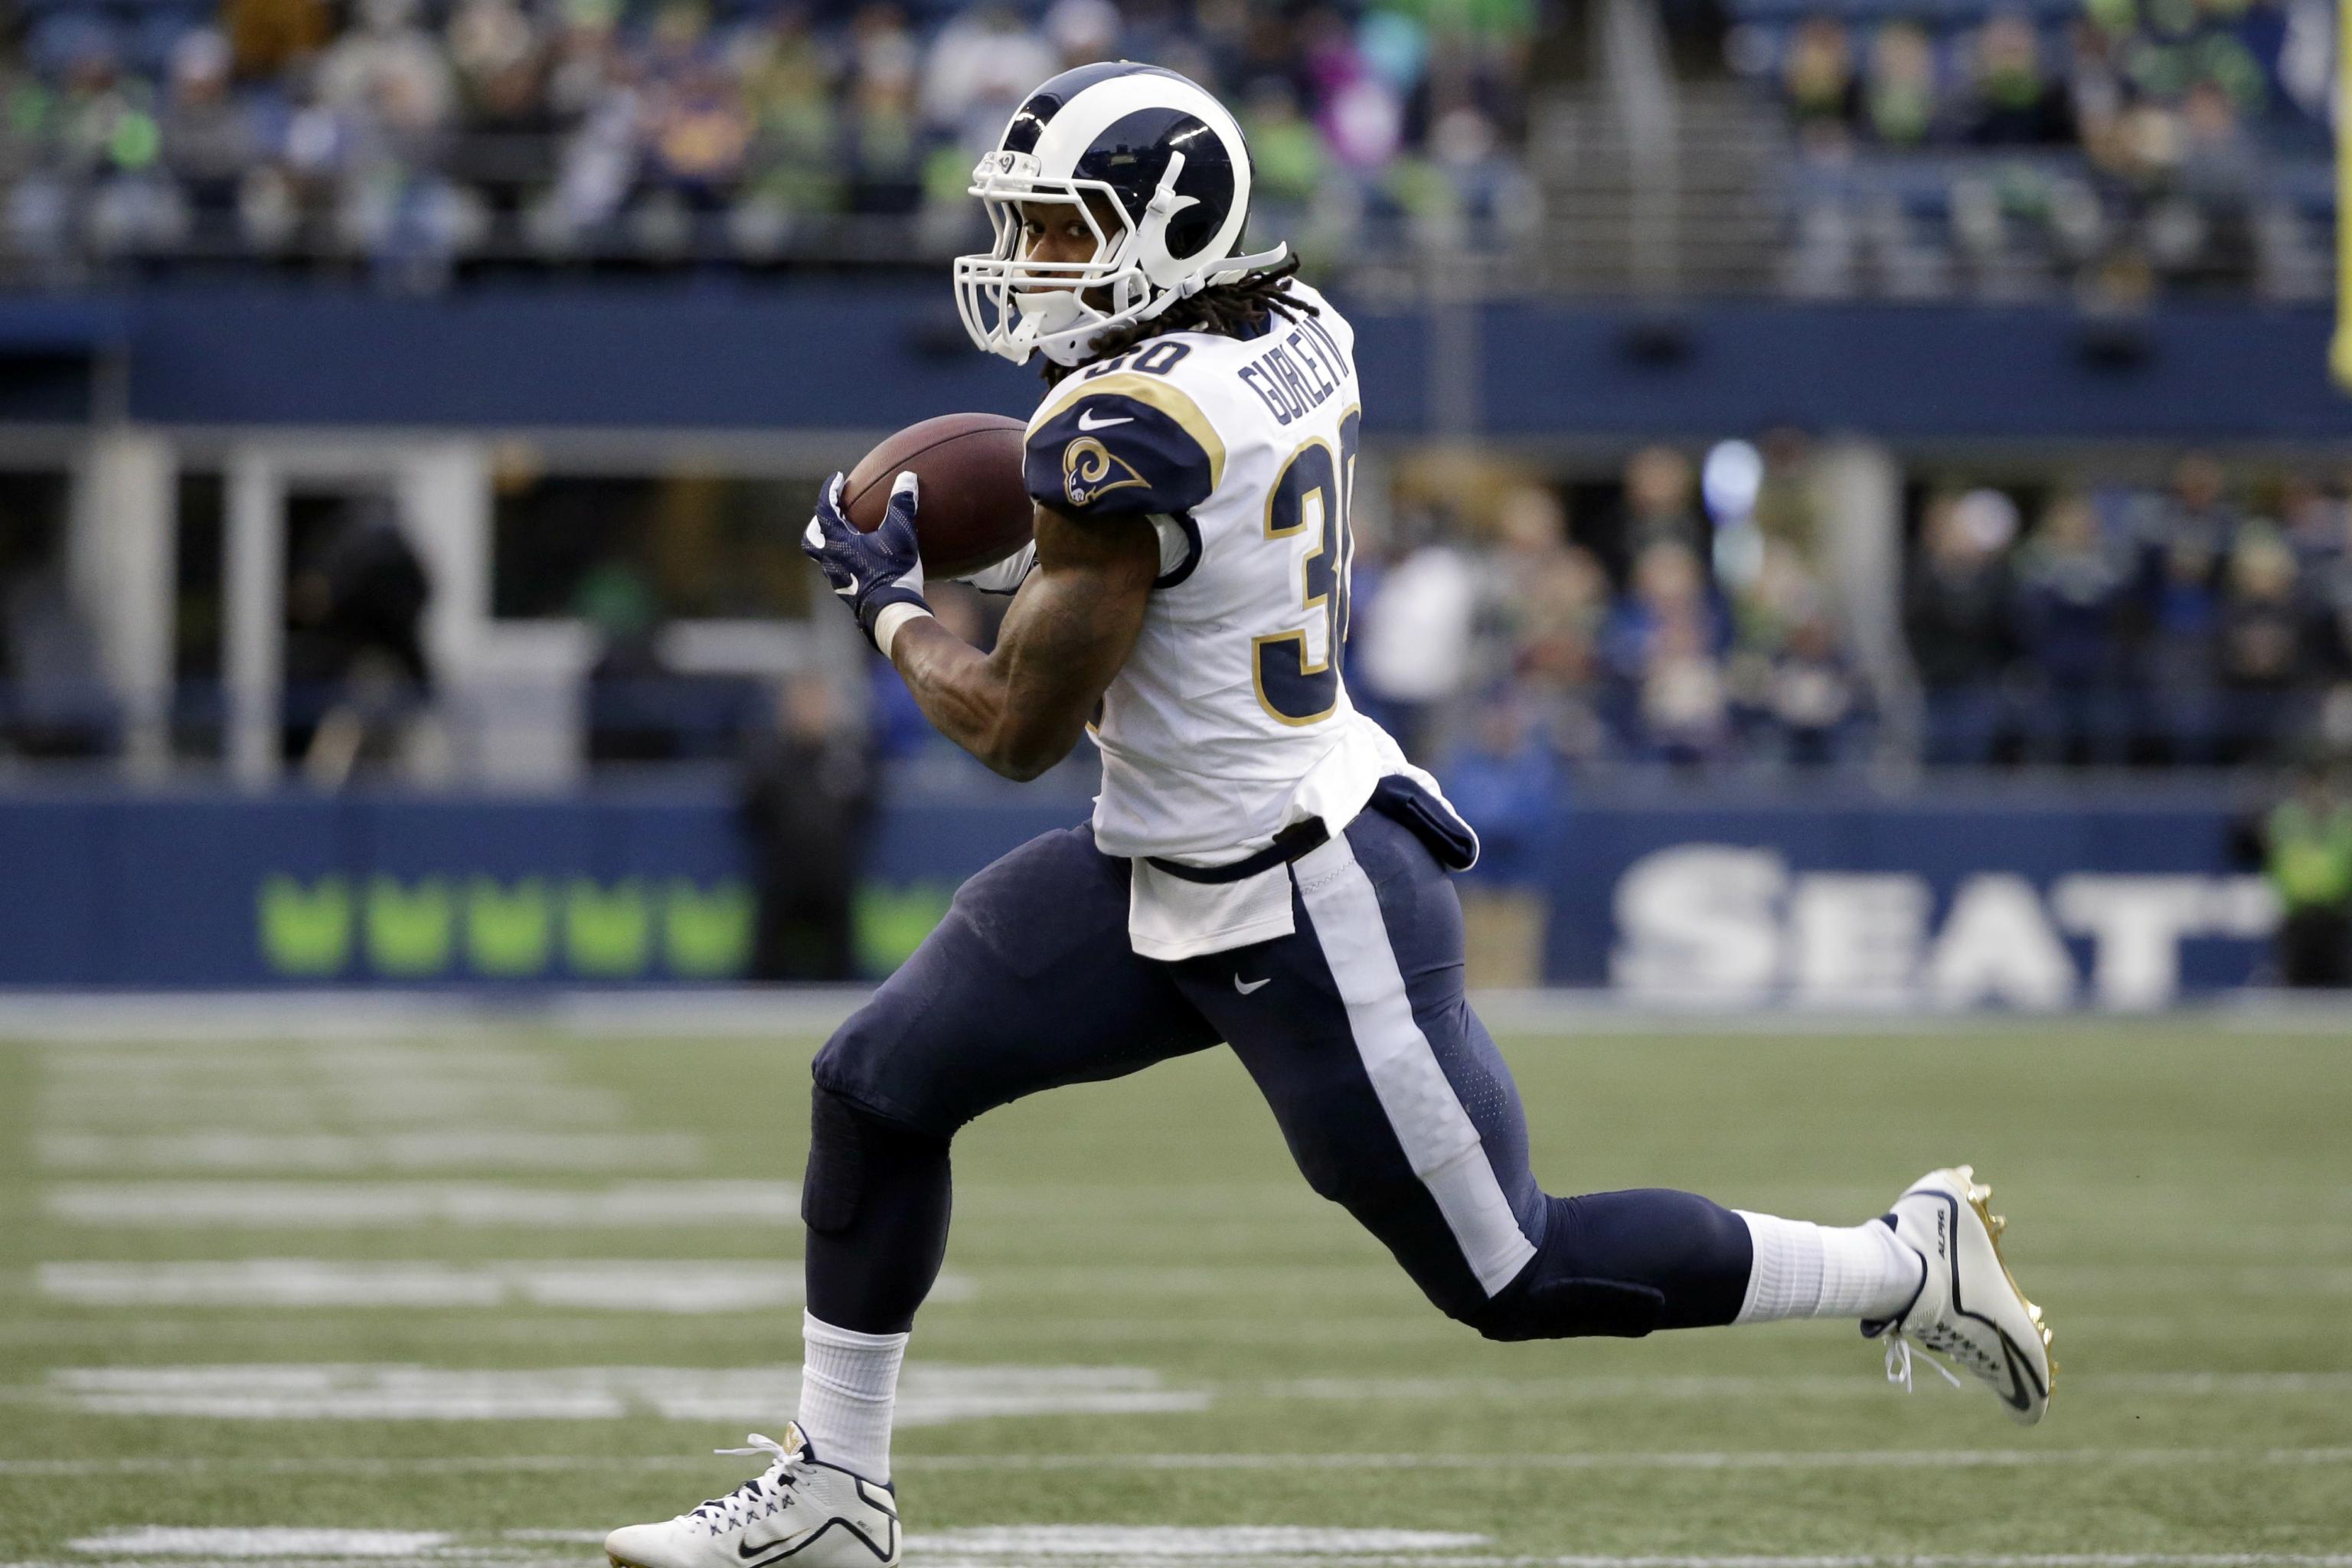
<point>1263,868</point>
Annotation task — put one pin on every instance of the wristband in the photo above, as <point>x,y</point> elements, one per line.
<point>893,616</point>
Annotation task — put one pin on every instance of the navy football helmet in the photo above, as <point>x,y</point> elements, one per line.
<point>1171,165</point>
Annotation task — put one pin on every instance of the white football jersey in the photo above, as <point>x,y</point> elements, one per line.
<point>1231,719</point>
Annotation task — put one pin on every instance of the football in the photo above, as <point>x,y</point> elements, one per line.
<point>973,510</point>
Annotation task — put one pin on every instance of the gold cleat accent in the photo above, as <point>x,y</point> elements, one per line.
<point>1980,1196</point>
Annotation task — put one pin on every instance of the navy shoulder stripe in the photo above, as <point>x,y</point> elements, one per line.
<point>1112,454</point>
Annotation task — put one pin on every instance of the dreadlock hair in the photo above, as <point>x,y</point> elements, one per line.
<point>1229,310</point>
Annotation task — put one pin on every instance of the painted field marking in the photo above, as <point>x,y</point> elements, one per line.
<point>1109,1544</point>
<point>486,1149</point>
<point>929,1394</point>
<point>489,1464</point>
<point>1718,1459</point>
<point>1425,1390</point>
<point>352,1206</point>
<point>362,1102</point>
<point>620,1284</point>
<point>162,1541</point>
<point>1189,1543</point>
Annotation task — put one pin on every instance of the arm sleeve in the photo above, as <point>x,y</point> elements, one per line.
<point>1115,450</point>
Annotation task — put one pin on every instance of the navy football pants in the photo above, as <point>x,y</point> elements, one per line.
<point>1389,1091</point>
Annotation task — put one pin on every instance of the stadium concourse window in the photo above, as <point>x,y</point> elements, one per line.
<point>629,556</point>
<point>2202,617</point>
<point>1669,613</point>
<point>55,701</point>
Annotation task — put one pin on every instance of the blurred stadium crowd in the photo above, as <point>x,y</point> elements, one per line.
<point>2189,623</point>
<point>1691,612</point>
<point>2111,624</point>
<point>1689,617</point>
<point>2137,145</point>
<point>409,136</point>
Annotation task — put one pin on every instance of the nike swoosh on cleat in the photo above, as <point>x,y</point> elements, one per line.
<point>1086,421</point>
<point>790,1544</point>
<point>1253,985</point>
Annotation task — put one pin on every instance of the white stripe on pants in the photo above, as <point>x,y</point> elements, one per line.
<point>1437,1135</point>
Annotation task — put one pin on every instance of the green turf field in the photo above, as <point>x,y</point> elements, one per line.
<point>503,1291</point>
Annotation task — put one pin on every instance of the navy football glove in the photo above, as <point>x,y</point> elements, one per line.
<point>871,571</point>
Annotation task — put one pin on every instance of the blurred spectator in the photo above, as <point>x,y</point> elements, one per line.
<point>1507,783</point>
<point>211,137</point>
<point>982,64</point>
<point>2178,672</point>
<point>630,685</point>
<point>2070,609</point>
<point>2197,511</point>
<point>2015,103</point>
<point>1900,99</point>
<point>1413,645</point>
<point>1549,601</point>
<point>1816,79</point>
<point>808,800</point>
<point>1813,694</point>
<point>1660,503</point>
<point>1665,641</point>
<point>2262,662</point>
<point>2307,855</point>
<point>1958,606</point>
<point>358,682</point>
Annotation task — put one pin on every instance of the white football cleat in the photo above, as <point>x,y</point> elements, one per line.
<point>799,1511</point>
<point>1969,1309</point>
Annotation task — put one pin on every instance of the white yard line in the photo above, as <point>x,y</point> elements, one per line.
<point>487,1148</point>
<point>211,1019</point>
<point>1427,1390</point>
<point>1719,1459</point>
<point>1213,1542</point>
<point>627,1285</point>
<point>350,1206</point>
<point>929,1394</point>
<point>355,1102</point>
<point>514,1558</point>
<point>165,1540</point>
<point>1109,1546</point>
<point>1759,1459</point>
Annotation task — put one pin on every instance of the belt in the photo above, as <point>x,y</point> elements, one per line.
<point>1299,838</point>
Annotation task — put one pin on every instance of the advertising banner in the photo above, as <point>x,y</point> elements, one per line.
<point>2041,903</point>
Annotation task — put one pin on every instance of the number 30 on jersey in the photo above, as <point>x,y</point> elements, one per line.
<point>1311,497</point>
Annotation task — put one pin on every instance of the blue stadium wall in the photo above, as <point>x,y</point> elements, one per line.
<point>736,355</point>
<point>2033,901</point>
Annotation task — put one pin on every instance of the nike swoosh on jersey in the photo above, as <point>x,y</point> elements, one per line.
<point>1087,420</point>
<point>1253,985</point>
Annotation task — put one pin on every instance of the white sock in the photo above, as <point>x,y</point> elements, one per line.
<point>1804,1270</point>
<point>849,1387</point>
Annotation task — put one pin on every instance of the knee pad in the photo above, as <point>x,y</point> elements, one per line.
<point>853,1152</point>
<point>836,1164</point>
<point>1534,1309</point>
<point>1560,1296</point>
